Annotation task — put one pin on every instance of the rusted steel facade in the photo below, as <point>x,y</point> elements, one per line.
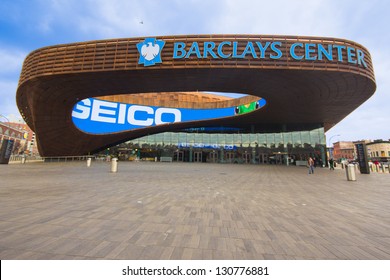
<point>308,82</point>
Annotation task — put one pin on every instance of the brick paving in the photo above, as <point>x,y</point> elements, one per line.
<point>188,211</point>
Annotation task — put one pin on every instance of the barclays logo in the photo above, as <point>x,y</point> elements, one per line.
<point>150,51</point>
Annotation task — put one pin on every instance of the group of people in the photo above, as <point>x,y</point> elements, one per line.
<point>311,164</point>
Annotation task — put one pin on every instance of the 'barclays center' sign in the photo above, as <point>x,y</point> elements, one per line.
<point>150,51</point>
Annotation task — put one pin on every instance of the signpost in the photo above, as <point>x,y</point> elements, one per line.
<point>362,158</point>
<point>6,150</point>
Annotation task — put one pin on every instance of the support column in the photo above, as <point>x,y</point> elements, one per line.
<point>190,158</point>
<point>323,156</point>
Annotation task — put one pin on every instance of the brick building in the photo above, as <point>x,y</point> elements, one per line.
<point>343,150</point>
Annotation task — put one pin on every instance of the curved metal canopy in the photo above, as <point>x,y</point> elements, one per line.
<point>307,82</point>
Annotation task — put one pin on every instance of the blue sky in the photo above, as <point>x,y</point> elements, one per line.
<point>26,25</point>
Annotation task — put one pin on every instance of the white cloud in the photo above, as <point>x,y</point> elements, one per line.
<point>279,17</point>
<point>11,61</point>
<point>98,19</point>
<point>8,97</point>
<point>362,124</point>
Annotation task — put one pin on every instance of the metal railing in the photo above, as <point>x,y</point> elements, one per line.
<point>26,159</point>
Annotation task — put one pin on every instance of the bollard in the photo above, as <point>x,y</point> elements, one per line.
<point>89,160</point>
<point>114,165</point>
<point>383,168</point>
<point>350,172</point>
<point>23,159</point>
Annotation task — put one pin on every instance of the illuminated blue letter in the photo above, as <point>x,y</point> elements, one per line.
<point>209,48</point>
<point>235,46</point>
<point>339,52</point>
<point>276,50</point>
<point>360,58</point>
<point>249,49</point>
<point>262,49</point>
<point>323,51</point>
<point>308,51</point>
<point>179,47</point>
<point>292,51</point>
<point>194,50</point>
<point>351,54</point>
<point>220,52</point>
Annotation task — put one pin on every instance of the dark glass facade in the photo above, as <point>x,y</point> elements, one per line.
<point>273,148</point>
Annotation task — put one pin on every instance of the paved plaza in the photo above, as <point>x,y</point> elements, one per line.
<point>153,210</point>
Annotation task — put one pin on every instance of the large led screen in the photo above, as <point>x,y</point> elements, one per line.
<point>96,116</point>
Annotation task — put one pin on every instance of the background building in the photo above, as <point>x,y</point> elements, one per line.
<point>379,150</point>
<point>343,150</point>
<point>11,133</point>
<point>23,136</point>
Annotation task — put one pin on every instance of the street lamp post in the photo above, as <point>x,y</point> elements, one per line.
<point>330,139</point>
<point>9,127</point>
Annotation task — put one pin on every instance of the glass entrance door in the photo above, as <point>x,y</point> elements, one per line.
<point>178,156</point>
<point>213,157</point>
<point>197,156</point>
<point>229,157</point>
<point>246,157</point>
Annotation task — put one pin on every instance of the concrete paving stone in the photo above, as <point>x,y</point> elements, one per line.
<point>340,252</point>
<point>222,255</point>
<point>191,211</point>
<point>103,249</point>
<point>187,254</point>
<point>131,252</point>
<point>149,238</point>
<point>118,235</point>
<point>271,257</point>
<point>152,253</point>
<point>325,252</point>
<point>243,255</point>
<point>190,241</point>
<point>177,253</point>
<point>167,253</point>
<point>62,246</point>
<point>207,254</point>
<point>235,244</point>
<point>264,248</point>
<point>377,253</point>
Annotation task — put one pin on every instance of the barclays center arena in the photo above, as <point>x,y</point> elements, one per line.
<point>170,97</point>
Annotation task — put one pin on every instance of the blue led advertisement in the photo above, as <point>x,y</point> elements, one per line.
<point>96,116</point>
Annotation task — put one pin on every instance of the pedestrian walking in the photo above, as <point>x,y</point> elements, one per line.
<point>331,164</point>
<point>310,164</point>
